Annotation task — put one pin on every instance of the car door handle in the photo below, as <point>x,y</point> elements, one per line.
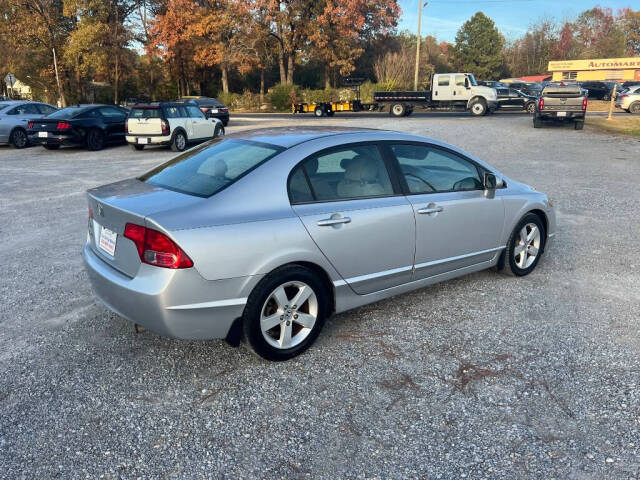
<point>430,210</point>
<point>328,222</point>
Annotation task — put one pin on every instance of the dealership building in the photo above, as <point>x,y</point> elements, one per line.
<point>605,69</point>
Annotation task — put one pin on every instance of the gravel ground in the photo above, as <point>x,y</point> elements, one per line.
<point>485,376</point>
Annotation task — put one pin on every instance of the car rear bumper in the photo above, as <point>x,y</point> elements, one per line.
<point>54,139</point>
<point>569,115</point>
<point>150,139</point>
<point>175,303</point>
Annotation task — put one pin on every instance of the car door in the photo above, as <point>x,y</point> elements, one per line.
<point>202,128</point>
<point>362,223</point>
<point>456,225</point>
<point>442,90</point>
<point>114,120</point>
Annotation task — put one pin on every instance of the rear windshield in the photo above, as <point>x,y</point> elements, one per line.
<point>145,113</point>
<point>206,170</point>
<point>67,112</point>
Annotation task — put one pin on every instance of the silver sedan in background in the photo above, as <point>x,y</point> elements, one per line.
<point>14,117</point>
<point>265,234</point>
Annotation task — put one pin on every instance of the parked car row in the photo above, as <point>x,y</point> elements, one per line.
<point>174,124</point>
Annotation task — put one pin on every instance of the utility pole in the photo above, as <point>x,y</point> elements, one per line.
<point>415,76</point>
<point>55,66</point>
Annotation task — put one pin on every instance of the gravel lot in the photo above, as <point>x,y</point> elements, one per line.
<point>485,376</point>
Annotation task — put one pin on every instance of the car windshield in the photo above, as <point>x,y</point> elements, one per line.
<point>206,170</point>
<point>145,113</point>
<point>472,79</point>
<point>66,112</point>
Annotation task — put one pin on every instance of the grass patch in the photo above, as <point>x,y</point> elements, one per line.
<point>623,125</point>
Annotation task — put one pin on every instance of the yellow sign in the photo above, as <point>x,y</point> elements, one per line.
<point>600,64</point>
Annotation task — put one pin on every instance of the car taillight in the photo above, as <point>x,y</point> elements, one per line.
<point>541,104</point>
<point>155,248</point>
<point>90,213</point>
<point>623,95</point>
<point>204,109</point>
<point>165,127</point>
<point>30,125</point>
<point>126,126</point>
<point>224,109</point>
<point>63,126</point>
<point>585,102</point>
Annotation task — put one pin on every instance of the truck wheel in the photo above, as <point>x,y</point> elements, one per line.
<point>634,108</point>
<point>478,107</point>
<point>398,110</point>
<point>537,123</point>
<point>606,97</point>
<point>579,125</point>
<point>531,107</point>
<point>319,111</point>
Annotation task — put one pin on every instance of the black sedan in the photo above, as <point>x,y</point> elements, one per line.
<point>93,126</point>
<point>512,99</point>
<point>211,107</point>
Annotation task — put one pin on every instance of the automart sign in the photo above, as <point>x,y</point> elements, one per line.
<point>600,64</point>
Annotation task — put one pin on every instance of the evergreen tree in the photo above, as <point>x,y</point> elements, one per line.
<point>478,48</point>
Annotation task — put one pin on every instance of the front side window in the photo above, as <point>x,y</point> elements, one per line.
<point>345,174</point>
<point>428,169</point>
<point>194,112</point>
<point>26,109</point>
<point>460,80</point>
<point>206,170</point>
<point>46,109</point>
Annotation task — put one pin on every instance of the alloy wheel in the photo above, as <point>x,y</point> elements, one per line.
<point>527,246</point>
<point>180,142</point>
<point>19,138</point>
<point>289,315</point>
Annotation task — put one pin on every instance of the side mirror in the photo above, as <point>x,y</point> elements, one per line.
<point>466,83</point>
<point>489,182</point>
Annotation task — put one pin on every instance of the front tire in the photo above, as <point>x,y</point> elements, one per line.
<point>634,108</point>
<point>525,246</point>
<point>285,313</point>
<point>218,131</point>
<point>19,138</point>
<point>478,107</point>
<point>179,142</point>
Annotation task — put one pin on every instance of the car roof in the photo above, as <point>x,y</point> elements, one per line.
<point>289,136</point>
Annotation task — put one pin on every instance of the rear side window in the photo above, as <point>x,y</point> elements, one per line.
<point>345,174</point>
<point>206,170</point>
<point>145,113</point>
<point>46,109</point>
<point>175,112</point>
<point>429,169</point>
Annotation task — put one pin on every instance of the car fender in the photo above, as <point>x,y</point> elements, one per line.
<point>517,206</point>
<point>179,129</point>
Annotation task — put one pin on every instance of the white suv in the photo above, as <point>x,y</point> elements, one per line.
<point>173,124</point>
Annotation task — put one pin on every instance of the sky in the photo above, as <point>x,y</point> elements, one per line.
<point>443,18</point>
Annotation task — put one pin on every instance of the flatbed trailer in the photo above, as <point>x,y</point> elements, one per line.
<point>320,109</point>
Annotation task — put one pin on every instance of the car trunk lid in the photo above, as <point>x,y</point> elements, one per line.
<point>145,120</point>
<point>130,201</point>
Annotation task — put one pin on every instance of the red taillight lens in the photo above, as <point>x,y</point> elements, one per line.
<point>126,126</point>
<point>90,213</point>
<point>585,102</point>
<point>624,95</point>
<point>165,128</point>
<point>224,109</point>
<point>63,126</point>
<point>30,125</point>
<point>204,109</point>
<point>541,104</point>
<point>156,248</point>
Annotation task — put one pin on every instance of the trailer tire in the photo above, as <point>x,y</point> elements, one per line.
<point>319,111</point>
<point>408,112</point>
<point>478,107</point>
<point>330,113</point>
<point>398,110</point>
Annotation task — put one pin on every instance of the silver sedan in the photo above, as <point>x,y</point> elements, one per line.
<point>265,234</point>
<point>14,119</point>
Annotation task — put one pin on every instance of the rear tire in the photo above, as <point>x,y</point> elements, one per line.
<point>606,97</point>
<point>179,142</point>
<point>579,125</point>
<point>537,123</point>
<point>136,147</point>
<point>519,244</point>
<point>330,113</point>
<point>19,138</point>
<point>634,108</point>
<point>95,140</point>
<point>263,304</point>
<point>398,110</point>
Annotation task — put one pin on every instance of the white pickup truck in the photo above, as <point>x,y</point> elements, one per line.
<point>169,123</point>
<point>449,91</point>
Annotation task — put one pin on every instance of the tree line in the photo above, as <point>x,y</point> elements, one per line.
<point>107,50</point>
